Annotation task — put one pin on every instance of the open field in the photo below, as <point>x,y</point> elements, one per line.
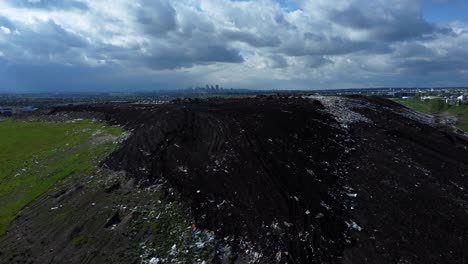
<point>36,155</point>
<point>441,108</point>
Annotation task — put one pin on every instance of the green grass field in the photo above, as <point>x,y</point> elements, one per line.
<point>439,107</point>
<point>36,155</point>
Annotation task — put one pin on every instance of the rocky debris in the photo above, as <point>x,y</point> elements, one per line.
<point>342,108</point>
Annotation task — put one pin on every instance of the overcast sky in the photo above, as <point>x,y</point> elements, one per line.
<point>133,45</point>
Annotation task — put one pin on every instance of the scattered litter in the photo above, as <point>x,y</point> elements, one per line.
<point>354,226</point>
<point>340,107</point>
<point>200,244</point>
<point>278,256</point>
<point>173,250</point>
<point>324,205</point>
<point>183,169</point>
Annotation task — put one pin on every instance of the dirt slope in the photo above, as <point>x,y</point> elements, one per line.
<point>294,180</point>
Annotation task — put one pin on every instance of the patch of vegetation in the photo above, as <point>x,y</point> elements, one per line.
<point>80,241</point>
<point>59,217</point>
<point>36,155</point>
<point>437,106</point>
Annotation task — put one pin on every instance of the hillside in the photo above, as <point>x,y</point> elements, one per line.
<point>442,110</point>
<point>257,180</point>
<point>36,155</point>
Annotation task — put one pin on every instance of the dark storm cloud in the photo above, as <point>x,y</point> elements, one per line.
<point>180,44</point>
<point>188,56</point>
<point>319,44</point>
<point>41,43</point>
<point>157,17</point>
<point>254,40</point>
<point>50,4</point>
<point>407,50</point>
<point>392,25</point>
<point>277,62</point>
<point>81,78</point>
<point>316,61</point>
<point>36,78</point>
<point>427,65</point>
<point>26,75</point>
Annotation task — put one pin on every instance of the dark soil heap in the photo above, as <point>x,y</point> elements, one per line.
<point>255,170</point>
<point>303,180</point>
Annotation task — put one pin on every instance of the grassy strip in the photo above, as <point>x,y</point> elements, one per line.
<point>36,155</point>
<point>437,106</point>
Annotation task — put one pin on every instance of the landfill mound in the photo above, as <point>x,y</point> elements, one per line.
<point>302,179</point>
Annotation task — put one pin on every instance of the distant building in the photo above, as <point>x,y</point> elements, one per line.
<point>402,95</point>
<point>28,109</point>
<point>6,112</point>
<point>430,97</point>
<point>462,98</point>
<point>450,100</point>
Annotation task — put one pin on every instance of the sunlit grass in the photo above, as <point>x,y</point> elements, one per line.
<point>36,155</point>
<point>439,107</point>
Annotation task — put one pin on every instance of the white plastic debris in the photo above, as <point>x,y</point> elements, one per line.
<point>278,256</point>
<point>354,226</point>
<point>319,215</point>
<point>154,261</point>
<point>200,244</point>
<point>324,205</point>
<point>173,249</point>
<point>341,108</point>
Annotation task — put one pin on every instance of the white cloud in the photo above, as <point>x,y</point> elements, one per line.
<point>322,44</point>
<point>5,30</point>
